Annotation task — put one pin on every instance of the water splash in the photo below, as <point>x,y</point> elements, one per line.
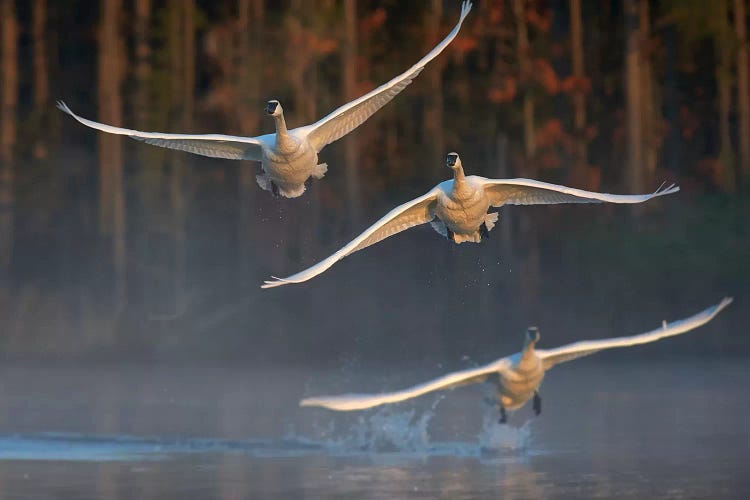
<point>503,438</point>
<point>388,431</point>
<point>393,431</point>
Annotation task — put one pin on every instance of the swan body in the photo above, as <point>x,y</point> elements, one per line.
<point>458,210</point>
<point>289,157</point>
<point>517,378</point>
<point>461,206</point>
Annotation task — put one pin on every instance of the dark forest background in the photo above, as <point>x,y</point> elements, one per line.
<point>112,249</point>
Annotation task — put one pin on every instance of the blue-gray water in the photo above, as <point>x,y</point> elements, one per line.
<point>609,428</point>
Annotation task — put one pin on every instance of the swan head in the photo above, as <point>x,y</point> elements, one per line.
<point>532,336</point>
<point>453,161</point>
<point>273,108</point>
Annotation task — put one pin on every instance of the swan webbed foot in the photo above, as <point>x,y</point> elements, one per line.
<point>503,416</point>
<point>308,183</point>
<point>320,170</point>
<point>450,234</point>
<point>484,231</point>
<point>537,404</point>
<point>274,189</point>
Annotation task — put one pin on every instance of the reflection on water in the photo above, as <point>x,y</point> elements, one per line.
<point>676,429</point>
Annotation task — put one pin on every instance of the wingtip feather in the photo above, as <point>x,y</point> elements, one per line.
<point>672,188</point>
<point>724,303</point>
<point>64,108</point>
<point>274,282</point>
<point>323,402</point>
<point>465,9</point>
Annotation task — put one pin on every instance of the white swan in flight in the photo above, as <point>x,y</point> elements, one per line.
<point>457,209</point>
<point>289,157</point>
<point>517,378</point>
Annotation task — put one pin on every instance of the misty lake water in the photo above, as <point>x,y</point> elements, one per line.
<point>609,429</point>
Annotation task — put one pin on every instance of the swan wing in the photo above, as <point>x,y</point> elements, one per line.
<point>349,402</point>
<point>575,350</point>
<point>213,145</point>
<point>533,192</point>
<point>349,116</point>
<point>413,213</point>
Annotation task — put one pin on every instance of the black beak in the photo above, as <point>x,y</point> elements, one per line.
<point>451,160</point>
<point>271,107</point>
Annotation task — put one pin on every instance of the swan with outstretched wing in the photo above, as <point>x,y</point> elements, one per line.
<point>289,158</point>
<point>517,377</point>
<point>458,209</point>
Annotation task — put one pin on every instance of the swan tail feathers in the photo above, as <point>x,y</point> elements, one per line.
<point>474,237</point>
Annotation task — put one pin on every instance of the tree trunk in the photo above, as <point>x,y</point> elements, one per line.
<point>530,238</point>
<point>522,41</point>
<point>174,21</point>
<point>723,47</point>
<point>250,46</point>
<point>182,63</point>
<point>579,176</point>
<point>41,77</point>
<point>349,84</point>
<point>250,25</point>
<point>433,113</point>
<point>9,102</point>
<point>111,195</point>
<point>303,63</point>
<point>188,55</point>
<point>648,104</point>
<point>142,61</point>
<point>633,79</point>
<point>743,87</point>
<point>672,151</point>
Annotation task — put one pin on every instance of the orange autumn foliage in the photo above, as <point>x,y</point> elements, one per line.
<point>539,20</point>
<point>322,46</point>
<point>309,42</point>
<point>372,22</point>
<point>496,11</point>
<point>465,44</point>
<point>549,160</point>
<point>549,134</point>
<point>553,141</point>
<point>364,86</point>
<point>573,84</point>
<point>546,75</point>
<point>504,93</point>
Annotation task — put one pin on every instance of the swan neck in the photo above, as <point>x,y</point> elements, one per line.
<point>458,175</point>
<point>460,186</point>
<point>283,140</point>
<point>528,354</point>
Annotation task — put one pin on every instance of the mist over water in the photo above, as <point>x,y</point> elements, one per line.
<point>608,427</point>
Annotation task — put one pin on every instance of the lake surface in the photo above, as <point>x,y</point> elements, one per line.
<point>609,429</point>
